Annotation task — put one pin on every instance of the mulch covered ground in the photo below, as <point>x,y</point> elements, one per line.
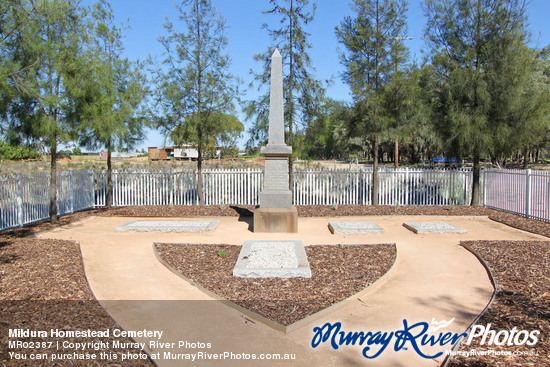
<point>43,287</point>
<point>42,282</point>
<point>338,272</point>
<point>522,274</point>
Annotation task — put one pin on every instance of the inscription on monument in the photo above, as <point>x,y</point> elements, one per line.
<point>277,177</point>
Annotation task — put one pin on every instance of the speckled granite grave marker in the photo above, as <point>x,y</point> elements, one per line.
<point>168,226</point>
<point>433,228</point>
<point>355,228</point>
<point>272,259</point>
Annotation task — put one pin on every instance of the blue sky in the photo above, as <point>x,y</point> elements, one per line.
<point>246,37</point>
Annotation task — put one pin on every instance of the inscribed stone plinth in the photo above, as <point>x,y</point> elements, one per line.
<point>433,228</point>
<point>168,226</point>
<point>275,193</point>
<point>272,259</point>
<point>355,228</point>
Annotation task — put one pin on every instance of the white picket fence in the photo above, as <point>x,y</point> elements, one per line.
<point>25,198</point>
<point>403,186</point>
<point>311,187</point>
<point>524,192</point>
<point>148,187</point>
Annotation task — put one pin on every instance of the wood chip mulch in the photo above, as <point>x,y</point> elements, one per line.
<point>338,272</point>
<point>522,273</point>
<point>303,210</point>
<point>43,287</point>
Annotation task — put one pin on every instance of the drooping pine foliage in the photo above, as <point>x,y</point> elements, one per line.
<point>483,69</point>
<point>370,58</point>
<point>109,103</point>
<point>48,58</point>
<point>302,92</point>
<point>194,85</point>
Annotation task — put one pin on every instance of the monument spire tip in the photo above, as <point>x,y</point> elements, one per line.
<point>276,53</point>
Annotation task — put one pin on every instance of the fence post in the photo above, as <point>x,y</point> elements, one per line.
<point>451,200</point>
<point>19,200</point>
<point>528,193</point>
<point>71,191</point>
<point>171,186</point>
<point>485,187</point>
<point>248,187</point>
<point>406,185</point>
<point>92,191</point>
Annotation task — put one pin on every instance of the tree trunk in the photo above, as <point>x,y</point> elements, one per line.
<point>526,153</point>
<point>475,183</point>
<point>396,154</point>
<point>199,179</point>
<point>375,172</point>
<point>109,197</point>
<point>53,182</point>
<point>290,98</point>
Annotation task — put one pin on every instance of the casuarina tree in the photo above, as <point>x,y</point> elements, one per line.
<point>109,104</point>
<point>369,50</point>
<point>469,39</point>
<point>302,92</point>
<point>194,86</point>
<point>51,49</point>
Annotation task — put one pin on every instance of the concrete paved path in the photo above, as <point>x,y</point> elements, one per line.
<point>433,278</point>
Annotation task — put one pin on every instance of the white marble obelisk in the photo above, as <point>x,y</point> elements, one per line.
<point>276,213</point>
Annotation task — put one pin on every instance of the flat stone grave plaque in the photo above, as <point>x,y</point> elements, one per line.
<point>433,228</point>
<point>272,259</point>
<point>168,226</point>
<point>355,228</point>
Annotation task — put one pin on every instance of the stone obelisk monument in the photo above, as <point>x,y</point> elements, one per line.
<point>276,212</point>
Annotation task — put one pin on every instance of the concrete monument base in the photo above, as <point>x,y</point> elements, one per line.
<point>276,220</point>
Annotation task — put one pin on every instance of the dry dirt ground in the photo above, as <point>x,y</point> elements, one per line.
<point>92,162</point>
<point>42,282</point>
